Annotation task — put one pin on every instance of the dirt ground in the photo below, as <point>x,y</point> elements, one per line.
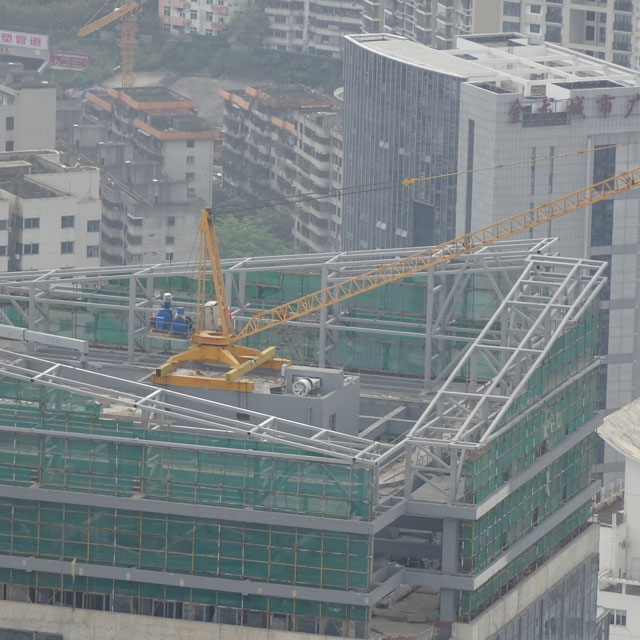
<point>202,89</point>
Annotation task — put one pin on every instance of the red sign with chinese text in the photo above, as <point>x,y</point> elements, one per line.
<point>68,60</point>
<point>20,39</point>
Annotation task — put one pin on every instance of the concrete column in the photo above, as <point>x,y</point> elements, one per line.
<point>448,599</point>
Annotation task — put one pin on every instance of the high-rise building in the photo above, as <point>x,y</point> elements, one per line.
<point>450,499</point>
<point>411,111</point>
<point>50,214</point>
<point>283,141</point>
<point>601,29</point>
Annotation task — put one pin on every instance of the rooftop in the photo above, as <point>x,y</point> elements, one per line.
<point>621,430</point>
<point>510,60</point>
<point>153,94</point>
<point>292,96</point>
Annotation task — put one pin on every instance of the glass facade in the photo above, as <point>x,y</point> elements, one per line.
<point>400,121</point>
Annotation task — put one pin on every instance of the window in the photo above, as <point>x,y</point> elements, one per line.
<point>194,14</point>
<point>31,223</point>
<point>591,16</point>
<point>189,176</point>
<point>8,145</point>
<point>534,28</point>
<point>170,240</point>
<point>554,14</point>
<point>510,26</point>
<point>191,159</point>
<point>618,617</point>
<point>511,9</point>
<point>3,250</point>
<point>32,249</point>
<point>553,34</point>
<point>167,11</point>
<point>3,225</point>
<point>191,144</point>
<point>171,221</point>
<point>93,251</point>
<point>168,256</point>
<point>590,33</point>
<point>93,226</point>
<point>209,16</point>
<point>209,1</point>
<point>68,222</point>
<point>535,8</point>
<point>10,123</point>
<point>66,247</point>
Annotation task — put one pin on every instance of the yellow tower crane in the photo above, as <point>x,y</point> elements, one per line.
<point>220,346</point>
<point>126,11</point>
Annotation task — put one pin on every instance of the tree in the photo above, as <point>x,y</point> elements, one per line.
<point>246,238</point>
<point>248,29</point>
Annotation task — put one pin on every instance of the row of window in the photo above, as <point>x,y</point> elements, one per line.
<point>66,222</point>
<point>33,249</point>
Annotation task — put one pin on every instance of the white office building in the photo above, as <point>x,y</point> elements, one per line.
<point>27,115</point>
<point>50,214</point>
<point>413,111</point>
<point>619,578</point>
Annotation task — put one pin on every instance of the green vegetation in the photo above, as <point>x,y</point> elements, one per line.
<point>236,53</point>
<point>249,231</point>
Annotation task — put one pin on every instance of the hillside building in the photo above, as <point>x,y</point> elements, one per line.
<point>201,17</point>
<point>157,157</point>
<point>50,214</point>
<point>283,141</point>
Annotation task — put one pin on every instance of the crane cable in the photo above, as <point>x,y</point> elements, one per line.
<point>381,186</point>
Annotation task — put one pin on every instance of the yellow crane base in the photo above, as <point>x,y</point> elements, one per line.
<point>242,360</point>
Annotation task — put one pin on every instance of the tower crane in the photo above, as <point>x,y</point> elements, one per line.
<point>126,11</point>
<point>219,346</point>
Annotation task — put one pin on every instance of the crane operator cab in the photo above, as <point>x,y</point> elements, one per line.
<point>212,320</point>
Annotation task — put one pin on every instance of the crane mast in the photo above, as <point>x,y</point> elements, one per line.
<point>219,346</point>
<point>127,12</point>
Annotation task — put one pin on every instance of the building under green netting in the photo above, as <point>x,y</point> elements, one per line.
<point>472,468</point>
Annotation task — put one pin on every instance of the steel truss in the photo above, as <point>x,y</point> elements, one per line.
<point>532,297</point>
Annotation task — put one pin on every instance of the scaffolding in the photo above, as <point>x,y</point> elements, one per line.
<point>272,522</point>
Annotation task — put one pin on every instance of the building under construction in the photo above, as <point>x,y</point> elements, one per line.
<point>454,502</point>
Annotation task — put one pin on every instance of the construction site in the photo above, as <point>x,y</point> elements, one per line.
<point>416,462</point>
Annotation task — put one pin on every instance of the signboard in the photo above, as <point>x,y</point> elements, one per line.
<point>68,60</point>
<point>26,40</point>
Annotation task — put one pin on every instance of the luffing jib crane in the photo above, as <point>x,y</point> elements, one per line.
<point>126,11</point>
<point>219,345</point>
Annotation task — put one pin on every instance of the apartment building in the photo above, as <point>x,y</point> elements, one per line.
<point>201,17</point>
<point>599,28</point>
<point>50,214</point>
<point>312,26</point>
<point>157,157</point>
<point>283,141</point>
